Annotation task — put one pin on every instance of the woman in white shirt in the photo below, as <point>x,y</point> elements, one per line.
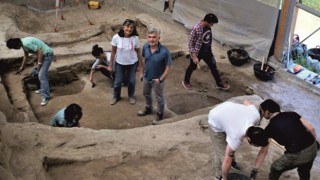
<point>126,56</point>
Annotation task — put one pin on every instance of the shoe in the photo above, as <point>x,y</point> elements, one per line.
<point>114,101</point>
<point>186,85</point>
<point>159,118</point>
<point>218,177</point>
<point>44,101</point>
<point>132,100</point>
<point>38,91</point>
<point>235,166</point>
<point>145,112</point>
<point>223,87</point>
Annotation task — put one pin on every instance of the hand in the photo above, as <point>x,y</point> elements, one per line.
<point>157,81</point>
<point>254,173</point>
<point>99,66</point>
<point>20,70</point>
<point>38,67</point>
<point>247,102</point>
<point>195,60</point>
<point>110,68</point>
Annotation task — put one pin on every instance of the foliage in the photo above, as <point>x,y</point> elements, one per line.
<point>303,62</point>
<point>314,4</point>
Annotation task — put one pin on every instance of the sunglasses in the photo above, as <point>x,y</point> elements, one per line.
<point>128,21</point>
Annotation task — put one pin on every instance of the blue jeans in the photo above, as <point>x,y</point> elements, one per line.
<point>44,77</point>
<point>131,73</point>
<point>158,91</point>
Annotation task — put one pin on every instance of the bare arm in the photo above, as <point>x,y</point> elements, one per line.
<point>24,60</point>
<point>226,164</point>
<point>91,75</point>
<point>164,75</point>
<point>309,127</point>
<point>261,156</point>
<point>113,55</point>
<point>140,66</point>
<point>39,57</point>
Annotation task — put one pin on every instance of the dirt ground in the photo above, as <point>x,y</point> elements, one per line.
<point>151,159</point>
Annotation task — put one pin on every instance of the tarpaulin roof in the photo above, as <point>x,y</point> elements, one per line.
<point>247,23</point>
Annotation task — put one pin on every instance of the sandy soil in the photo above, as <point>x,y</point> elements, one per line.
<point>170,151</point>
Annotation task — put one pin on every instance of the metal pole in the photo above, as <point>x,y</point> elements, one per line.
<point>309,35</point>
<point>308,9</point>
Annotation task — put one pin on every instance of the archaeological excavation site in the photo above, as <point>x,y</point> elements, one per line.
<point>113,142</point>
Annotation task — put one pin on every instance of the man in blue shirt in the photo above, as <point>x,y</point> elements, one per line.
<point>157,65</point>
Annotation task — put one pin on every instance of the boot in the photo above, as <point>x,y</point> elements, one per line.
<point>159,118</point>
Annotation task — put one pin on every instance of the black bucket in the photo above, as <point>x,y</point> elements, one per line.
<point>238,57</point>
<point>266,74</point>
<point>314,53</point>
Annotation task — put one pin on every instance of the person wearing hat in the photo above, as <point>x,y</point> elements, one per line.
<point>200,40</point>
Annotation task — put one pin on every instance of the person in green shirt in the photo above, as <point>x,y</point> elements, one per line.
<point>44,56</point>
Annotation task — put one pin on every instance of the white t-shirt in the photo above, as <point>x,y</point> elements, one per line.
<point>234,119</point>
<point>126,54</point>
<point>98,61</point>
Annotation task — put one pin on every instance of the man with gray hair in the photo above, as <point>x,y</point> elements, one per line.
<point>156,67</point>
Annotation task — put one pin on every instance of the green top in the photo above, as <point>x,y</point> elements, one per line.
<point>31,45</point>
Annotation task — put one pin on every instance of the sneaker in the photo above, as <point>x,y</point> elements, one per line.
<point>235,166</point>
<point>159,118</point>
<point>218,177</point>
<point>114,101</point>
<point>223,87</point>
<point>186,85</point>
<point>38,91</point>
<point>145,112</point>
<point>44,101</point>
<point>132,100</point>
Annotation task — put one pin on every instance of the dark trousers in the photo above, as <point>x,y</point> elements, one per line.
<point>107,73</point>
<point>210,61</point>
<point>302,160</point>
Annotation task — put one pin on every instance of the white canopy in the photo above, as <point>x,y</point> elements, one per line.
<point>247,23</point>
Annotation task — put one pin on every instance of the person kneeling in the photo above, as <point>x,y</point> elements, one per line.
<point>67,117</point>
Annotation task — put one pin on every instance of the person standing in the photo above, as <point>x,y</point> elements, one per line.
<point>229,123</point>
<point>101,64</point>
<point>293,132</point>
<point>125,54</point>
<point>200,48</point>
<point>44,56</point>
<point>157,65</point>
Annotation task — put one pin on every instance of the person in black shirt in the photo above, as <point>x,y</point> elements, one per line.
<point>293,132</point>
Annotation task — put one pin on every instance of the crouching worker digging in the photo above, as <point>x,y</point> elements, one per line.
<point>68,117</point>
<point>157,65</point>
<point>230,123</point>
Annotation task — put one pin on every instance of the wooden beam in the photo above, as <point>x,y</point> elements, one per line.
<point>284,28</point>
